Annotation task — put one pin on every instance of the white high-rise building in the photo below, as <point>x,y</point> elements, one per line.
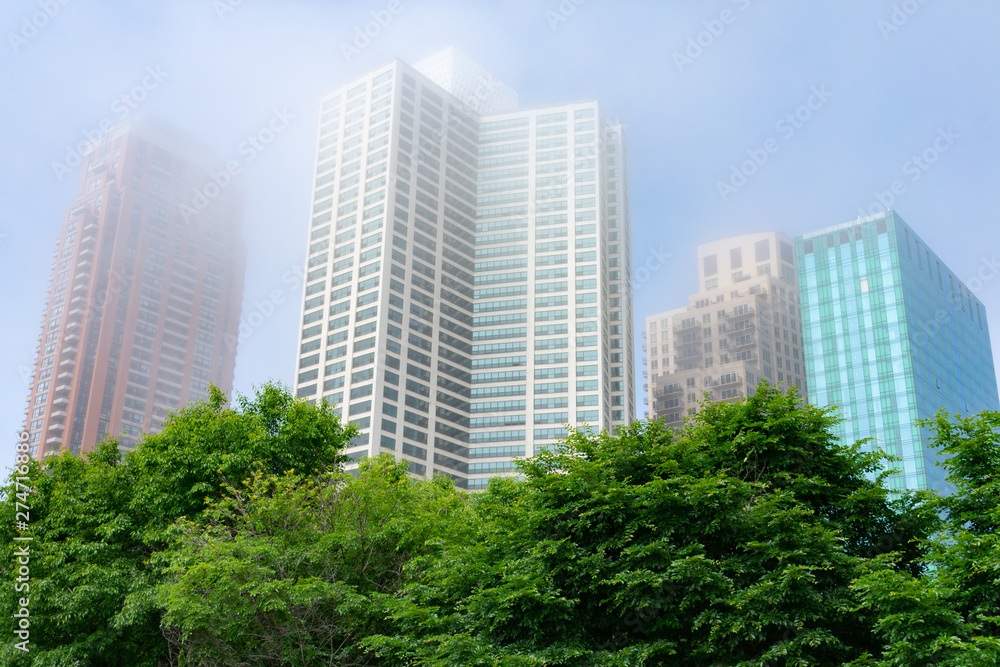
<point>468,290</point>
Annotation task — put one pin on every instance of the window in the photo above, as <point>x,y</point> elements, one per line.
<point>787,254</point>
<point>762,250</point>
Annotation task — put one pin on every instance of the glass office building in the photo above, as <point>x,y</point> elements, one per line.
<point>891,335</point>
<point>468,290</point>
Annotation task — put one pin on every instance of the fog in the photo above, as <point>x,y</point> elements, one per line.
<point>700,87</point>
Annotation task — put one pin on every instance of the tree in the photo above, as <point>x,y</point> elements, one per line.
<point>96,521</point>
<point>732,543</point>
<point>950,616</point>
<point>295,570</point>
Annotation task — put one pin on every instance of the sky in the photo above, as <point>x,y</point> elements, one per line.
<point>835,102</point>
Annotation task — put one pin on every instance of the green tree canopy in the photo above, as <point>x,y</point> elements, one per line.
<point>950,616</point>
<point>733,542</point>
<point>97,520</point>
<point>750,537</point>
<point>297,570</point>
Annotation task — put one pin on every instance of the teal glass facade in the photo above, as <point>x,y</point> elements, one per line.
<point>891,335</point>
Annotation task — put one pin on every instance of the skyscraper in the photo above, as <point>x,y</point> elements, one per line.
<point>468,290</point>
<point>144,301</point>
<point>891,336</point>
<point>742,326</point>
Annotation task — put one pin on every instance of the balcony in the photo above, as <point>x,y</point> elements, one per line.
<point>730,380</point>
<point>746,327</point>
<point>690,342</point>
<point>670,389</point>
<point>663,406</point>
<point>695,356</point>
<point>745,343</point>
<point>686,325</point>
<point>748,311</point>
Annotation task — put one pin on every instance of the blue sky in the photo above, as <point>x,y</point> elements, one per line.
<point>697,85</point>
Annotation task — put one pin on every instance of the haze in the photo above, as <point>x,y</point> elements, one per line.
<point>701,87</point>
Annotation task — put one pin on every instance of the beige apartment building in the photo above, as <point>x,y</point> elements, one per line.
<point>742,326</point>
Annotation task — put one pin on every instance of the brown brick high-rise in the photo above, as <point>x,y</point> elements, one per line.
<point>144,301</point>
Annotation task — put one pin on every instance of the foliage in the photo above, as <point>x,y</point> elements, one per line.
<point>733,543</point>
<point>952,615</point>
<point>295,570</point>
<point>748,538</point>
<point>96,521</point>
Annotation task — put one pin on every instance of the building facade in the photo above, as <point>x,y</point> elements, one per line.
<point>891,336</point>
<point>742,326</point>
<point>468,290</point>
<point>143,306</point>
